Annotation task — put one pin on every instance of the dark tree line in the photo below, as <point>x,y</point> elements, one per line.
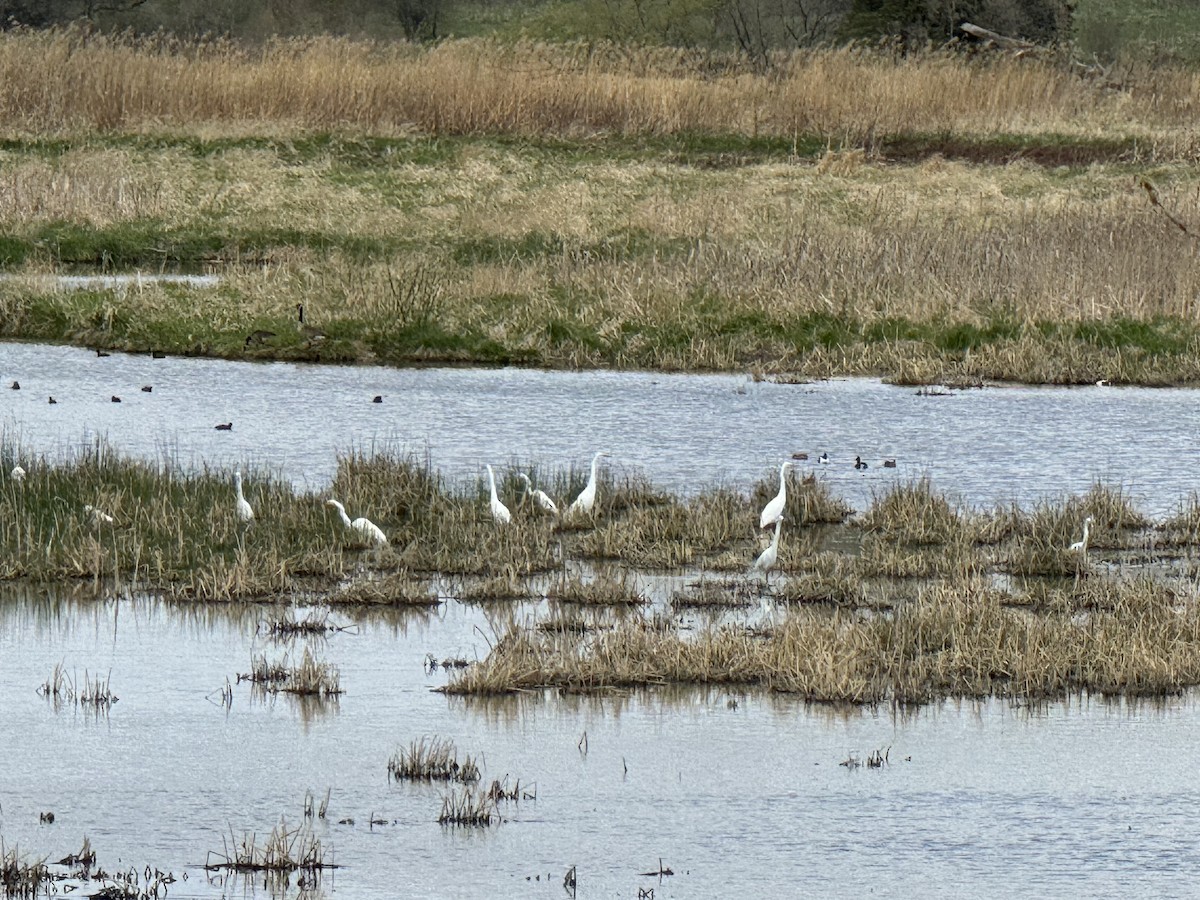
<point>755,27</point>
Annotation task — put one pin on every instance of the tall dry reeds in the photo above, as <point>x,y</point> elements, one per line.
<point>69,81</point>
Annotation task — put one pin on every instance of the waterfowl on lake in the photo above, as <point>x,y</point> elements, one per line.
<point>16,386</point>
<point>378,398</point>
<point>146,388</point>
<point>102,353</point>
<point>227,426</point>
<point>799,456</point>
<point>157,354</point>
<point>499,511</point>
<point>540,497</point>
<point>773,511</point>
<point>242,506</point>
<point>587,497</point>
<point>859,464</point>
<point>52,400</point>
<point>115,399</point>
<point>365,528</point>
<point>823,458</point>
<point>889,464</point>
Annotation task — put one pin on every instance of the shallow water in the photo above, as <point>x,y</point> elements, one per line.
<point>748,799</point>
<point>685,432</point>
<point>739,798</point>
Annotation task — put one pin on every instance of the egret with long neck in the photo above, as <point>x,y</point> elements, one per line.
<point>539,497</point>
<point>499,511</point>
<point>773,511</point>
<point>244,511</point>
<point>586,500</point>
<point>363,527</point>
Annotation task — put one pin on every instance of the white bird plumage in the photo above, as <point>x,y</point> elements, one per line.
<point>244,510</point>
<point>98,517</point>
<point>540,497</point>
<point>773,511</point>
<point>18,474</point>
<point>587,497</point>
<point>1080,546</point>
<point>499,511</point>
<point>766,560</point>
<point>362,526</point>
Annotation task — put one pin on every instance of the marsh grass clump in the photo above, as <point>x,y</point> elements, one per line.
<point>311,677</point>
<point>468,808</point>
<point>287,626</point>
<point>809,500</point>
<point>711,594</point>
<point>432,759</point>
<point>914,513</point>
<point>284,851</point>
<point>22,878</point>
<point>393,589</point>
<point>602,590</point>
<point>669,533</point>
<point>501,588</point>
<point>828,578</point>
<point>96,692</point>
<point>1183,527</point>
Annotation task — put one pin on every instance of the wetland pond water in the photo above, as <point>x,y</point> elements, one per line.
<point>739,793</point>
<point>684,432</point>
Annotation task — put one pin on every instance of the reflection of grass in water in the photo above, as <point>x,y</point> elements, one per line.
<point>1135,638</point>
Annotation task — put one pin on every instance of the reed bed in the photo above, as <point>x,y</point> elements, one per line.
<point>95,82</point>
<point>603,589</point>
<point>310,677</point>
<point>22,878</point>
<point>469,808</point>
<point>1131,638</point>
<point>284,851</point>
<point>432,759</point>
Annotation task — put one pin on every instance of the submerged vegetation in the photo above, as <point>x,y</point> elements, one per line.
<point>929,217</point>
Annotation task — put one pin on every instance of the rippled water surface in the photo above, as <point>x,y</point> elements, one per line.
<point>740,794</point>
<point>742,798</point>
<point>686,432</point>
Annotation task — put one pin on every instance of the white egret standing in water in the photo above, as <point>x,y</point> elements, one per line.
<point>18,474</point>
<point>766,560</point>
<point>540,497</point>
<point>365,528</point>
<point>499,511</point>
<point>244,512</point>
<point>587,497</point>
<point>1080,546</point>
<point>773,511</point>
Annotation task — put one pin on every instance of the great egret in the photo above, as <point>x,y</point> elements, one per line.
<point>1080,546</point>
<point>766,560</point>
<point>364,527</point>
<point>499,511</point>
<point>540,497</point>
<point>859,464</point>
<point>98,517</point>
<point>587,497</point>
<point>18,474</point>
<point>773,511</point>
<point>244,512</point>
